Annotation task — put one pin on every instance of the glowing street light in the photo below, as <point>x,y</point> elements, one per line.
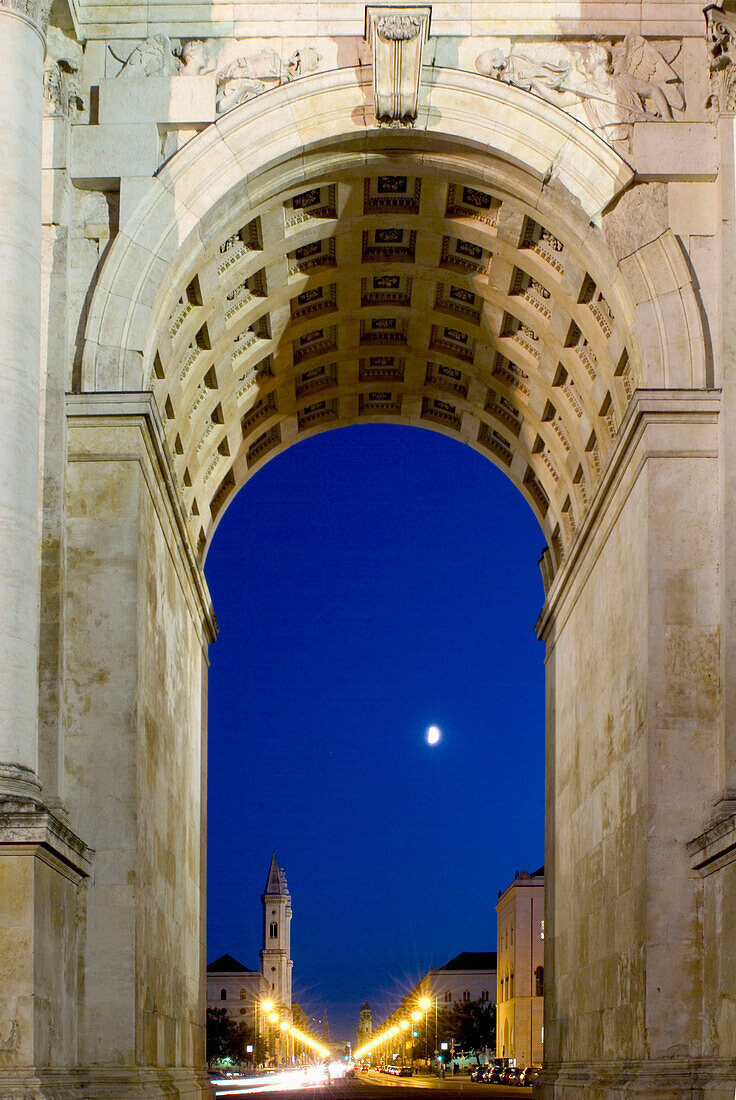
<point>425,1004</point>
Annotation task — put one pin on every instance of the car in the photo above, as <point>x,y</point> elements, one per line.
<point>478,1073</point>
<point>530,1075</point>
<point>405,1071</point>
<point>510,1075</point>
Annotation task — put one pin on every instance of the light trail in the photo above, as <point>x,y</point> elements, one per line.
<point>309,1077</point>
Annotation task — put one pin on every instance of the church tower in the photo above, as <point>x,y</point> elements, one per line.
<point>276,953</point>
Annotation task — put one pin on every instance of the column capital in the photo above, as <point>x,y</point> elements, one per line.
<point>721,39</point>
<point>35,12</point>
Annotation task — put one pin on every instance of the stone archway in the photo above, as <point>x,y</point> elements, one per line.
<point>243,293</point>
<point>507,322</point>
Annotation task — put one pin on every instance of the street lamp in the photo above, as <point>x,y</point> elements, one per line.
<point>266,1006</point>
<point>273,1018</point>
<point>416,1017</point>
<point>404,1025</point>
<point>425,1004</point>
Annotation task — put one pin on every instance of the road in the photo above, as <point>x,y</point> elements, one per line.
<point>365,1087</point>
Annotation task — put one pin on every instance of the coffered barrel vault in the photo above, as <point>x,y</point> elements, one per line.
<point>388,295</point>
<point>416,283</point>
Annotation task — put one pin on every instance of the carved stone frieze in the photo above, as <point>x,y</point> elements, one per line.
<point>246,77</point>
<point>721,39</point>
<point>157,56</point>
<point>35,11</point>
<point>154,57</point>
<point>607,86</point>
<point>397,37</point>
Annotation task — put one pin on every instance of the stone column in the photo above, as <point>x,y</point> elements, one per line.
<point>22,26</point>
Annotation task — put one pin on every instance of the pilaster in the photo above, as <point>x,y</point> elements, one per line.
<point>632,625</point>
<point>43,870</point>
<point>139,624</point>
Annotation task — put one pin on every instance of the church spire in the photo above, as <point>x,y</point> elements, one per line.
<point>276,880</point>
<point>276,965</point>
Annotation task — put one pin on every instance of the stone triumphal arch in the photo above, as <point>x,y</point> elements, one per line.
<point>225,226</point>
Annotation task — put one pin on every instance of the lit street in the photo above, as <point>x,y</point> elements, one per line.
<point>365,1087</point>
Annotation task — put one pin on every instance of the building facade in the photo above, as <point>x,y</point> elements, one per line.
<point>261,999</point>
<point>520,1002</point>
<point>467,977</point>
<point>238,990</point>
<point>364,1029</point>
<point>227,226</point>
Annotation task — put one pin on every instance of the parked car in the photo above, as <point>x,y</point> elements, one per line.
<point>478,1073</point>
<point>530,1075</point>
<point>405,1071</point>
<point>511,1076</point>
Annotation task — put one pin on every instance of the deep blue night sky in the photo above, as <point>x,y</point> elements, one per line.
<point>368,582</point>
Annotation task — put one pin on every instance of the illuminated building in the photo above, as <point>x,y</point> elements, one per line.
<point>261,999</point>
<point>520,1005</point>
<point>365,1024</point>
<point>276,964</point>
<point>234,987</point>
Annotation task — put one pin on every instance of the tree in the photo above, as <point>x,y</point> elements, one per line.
<point>472,1026</point>
<point>225,1037</point>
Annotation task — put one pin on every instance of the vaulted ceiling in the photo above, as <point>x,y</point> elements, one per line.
<point>404,296</point>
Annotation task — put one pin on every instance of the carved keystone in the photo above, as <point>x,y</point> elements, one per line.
<point>396,37</point>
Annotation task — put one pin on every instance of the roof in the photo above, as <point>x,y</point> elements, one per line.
<point>472,960</point>
<point>226,964</point>
<point>276,881</point>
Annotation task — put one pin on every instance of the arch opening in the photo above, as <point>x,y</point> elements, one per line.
<point>328,709</point>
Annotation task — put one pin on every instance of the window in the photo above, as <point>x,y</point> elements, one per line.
<point>484,994</point>
<point>273,930</point>
<point>539,981</point>
<point>512,987</point>
<point>448,994</point>
<point>466,995</point>
<point>223,994</point>
<point>242,994</point>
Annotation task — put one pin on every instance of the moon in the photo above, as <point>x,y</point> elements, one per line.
<point>434,733</point>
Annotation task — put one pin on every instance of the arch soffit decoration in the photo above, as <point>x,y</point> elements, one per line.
<point>205,298</point>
